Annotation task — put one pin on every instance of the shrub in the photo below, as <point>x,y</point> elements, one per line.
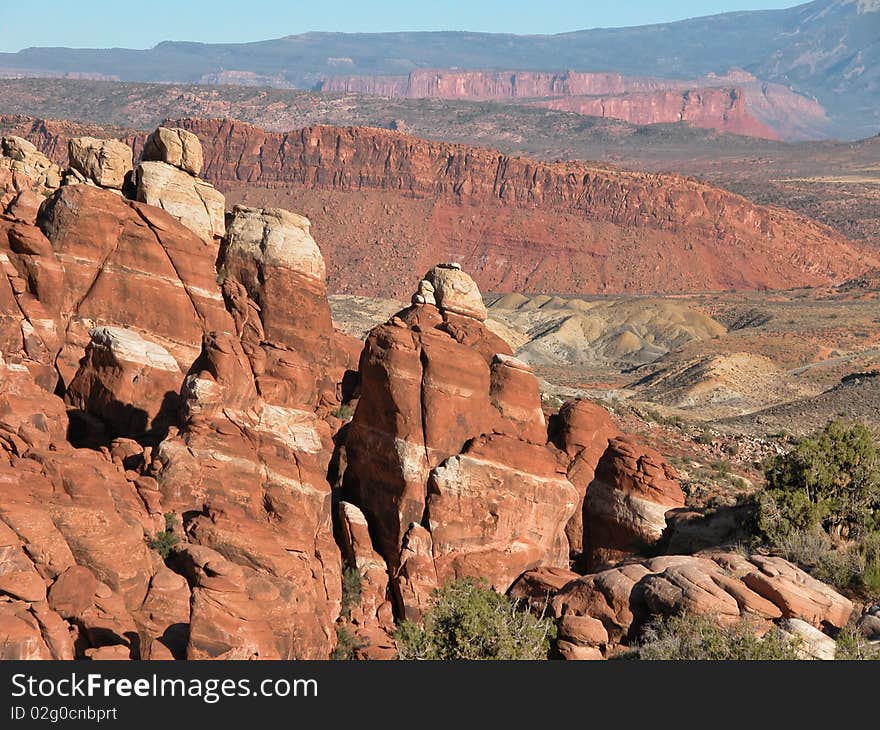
<point>347,644</point>
<point>687,637</point>
<point>852,646</point>
<point>870,577</point>
<point>468,620</point>
<point>840,568</point>
<point>343,413</point>
<point>830,480</point>
<point>352,588</point>
<point>851,567</point>
<point>164,541</point>
<point>723,468</point>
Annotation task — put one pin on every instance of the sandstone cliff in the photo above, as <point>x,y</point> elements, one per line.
<point>387,205</point>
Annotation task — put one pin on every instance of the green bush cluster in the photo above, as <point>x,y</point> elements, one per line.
<point>819,507</point>
<point>347,644</point>
<point>830,480</point>
<point>164,541</point>
<point>468,620</point>
<point>688,637</point>
<point>352,589</point>
<point>343,413</point>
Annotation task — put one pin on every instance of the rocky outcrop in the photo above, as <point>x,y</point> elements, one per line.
<point>167,178</point>
<point>723,109</point>
<point>514,224</point>
<point>212,512</point>
<point>102,162</point>
<point>725,586</point>
<point>626,503</point>
<point>128,382</point>
<point>251,457</point>
<point>110,302</point>
<point>97,259</point>
<point>691,236</point>
<point>71,521</point>
<point>272,266</point>
<point>582,430</point>
<point>454,291</point>
<point>440,461</point>
<point>252,475</point>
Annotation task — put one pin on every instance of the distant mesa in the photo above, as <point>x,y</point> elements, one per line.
<point>737,102</point>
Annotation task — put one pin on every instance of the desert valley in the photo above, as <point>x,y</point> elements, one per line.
<point>295,351</point>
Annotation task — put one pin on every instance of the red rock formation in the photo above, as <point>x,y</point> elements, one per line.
<point>587,229</point>
<point>128,382</point>
<point>736,102</point>
<point>201,522</point>
<point>259,573</point>
<point>101,259</point>
<point>373,608</point>
<point>723,109</point>
<point>626,503</point>
<point>387,205</point>
<point>67,510</point>
<point>254,473</point>
<point>447,457</point>
<point>486,85</point>
<point>598,612</point>
<point>582,430</point>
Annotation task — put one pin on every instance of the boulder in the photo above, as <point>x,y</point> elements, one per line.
<point>103,162</point>
<point>537,587</point>
<point>869,623</point>
<point>176,147</point>
<point>195,203</point>
<point>25,206</point>
<point>18,149</point>
<point>812,643</point>
<point>797,593</point>
<point>23,169</point>
<point>456,292</point>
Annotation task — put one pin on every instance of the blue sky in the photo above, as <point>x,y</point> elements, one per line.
<point>106,23</point>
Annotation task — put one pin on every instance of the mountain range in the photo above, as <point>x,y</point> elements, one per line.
<point>826,50</point>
